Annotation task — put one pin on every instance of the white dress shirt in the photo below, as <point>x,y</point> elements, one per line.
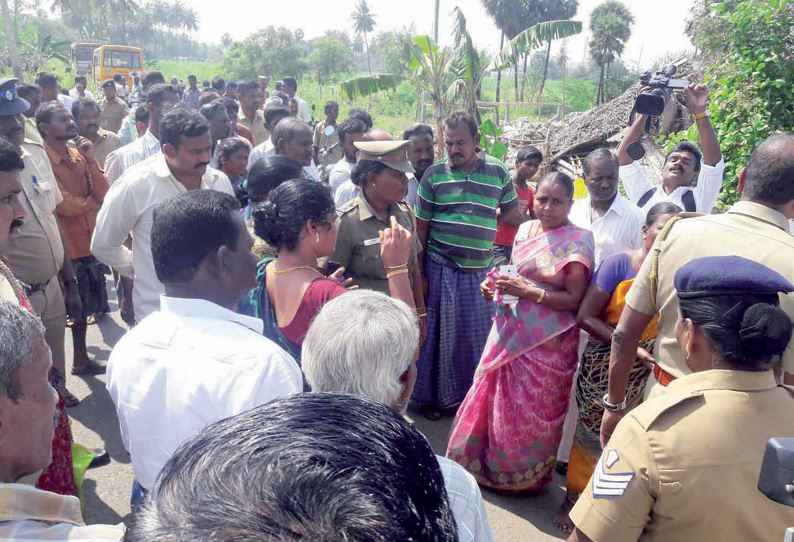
<point>128,208</point>
<point>340,172</point>
<point>413,189</point>
<point>267,149</point>
<point>346,192</point>
<point>129,155</point>
<point>190,364</point>
<point>260,151</point>
<point>466,503</point>
<point>303,110</point>
<point>75,95</point>
<point>619,230</point>
<point>636,184</point>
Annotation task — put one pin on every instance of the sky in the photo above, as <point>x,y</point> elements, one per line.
<point>658,27</point>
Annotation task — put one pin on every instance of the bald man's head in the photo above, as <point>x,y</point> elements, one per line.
<point>769,174</point>
<point>377,134</point>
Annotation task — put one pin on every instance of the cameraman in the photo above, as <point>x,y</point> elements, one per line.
<point>682,166</point>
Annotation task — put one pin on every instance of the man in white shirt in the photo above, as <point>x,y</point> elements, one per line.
<point>159,98</point>
<point>79,91</point>
<point>616,223</point>
<point>365,343</point>
<point>128,206</point>
<point>421,153</point>
<point>293,138</point>
<point>350,130</point>
<point>51,89</point>
<point>275,112</point>
<point>195,361</point>
<point>290,86</point>
<point>683,166</point>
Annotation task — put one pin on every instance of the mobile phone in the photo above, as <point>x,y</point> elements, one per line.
<point>331,267</point>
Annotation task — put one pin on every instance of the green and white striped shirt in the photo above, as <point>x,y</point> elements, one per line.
<point>461,208</point>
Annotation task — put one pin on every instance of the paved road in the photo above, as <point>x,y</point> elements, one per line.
<point>106,490</point>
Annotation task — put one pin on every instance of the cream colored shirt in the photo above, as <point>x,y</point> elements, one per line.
<point>749,230</point>
<point>35,254</point>
<point>257,127</point>
<point>684,466</point>
<point>128,208</point>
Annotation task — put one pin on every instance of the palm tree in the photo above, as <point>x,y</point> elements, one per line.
<point>509,17</point>
<point>551,10</point>
<point>363,23</point>
<point>610,27</point>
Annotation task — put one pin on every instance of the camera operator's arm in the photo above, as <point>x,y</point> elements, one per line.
<point>712,166</point>
<point>635,133</point>
<point>635,183</point>
<point>697,101</point>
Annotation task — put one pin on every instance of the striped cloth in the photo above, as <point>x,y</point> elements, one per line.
<point>27,513</point>
<point>458,324</point>
<point>461,208</point>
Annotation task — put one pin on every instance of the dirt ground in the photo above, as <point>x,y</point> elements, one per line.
<point>106,490</point>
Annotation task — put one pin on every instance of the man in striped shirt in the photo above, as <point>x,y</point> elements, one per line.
<point>459,202</point>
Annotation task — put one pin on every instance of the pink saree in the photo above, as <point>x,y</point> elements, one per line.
<point>507,430</point>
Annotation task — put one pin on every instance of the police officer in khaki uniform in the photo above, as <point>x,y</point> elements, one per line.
<point>685,465</point>
<point>755,228</point>
<point>36,254</point>
<point>380,173</point>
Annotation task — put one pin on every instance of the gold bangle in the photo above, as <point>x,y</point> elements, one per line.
<point>541,297</point>
<point>391,274</point>
<point>421,313</point>
<point>698,116</point>
<point>397,266</point>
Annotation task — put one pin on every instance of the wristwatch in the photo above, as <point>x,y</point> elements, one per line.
<point>614,407</point>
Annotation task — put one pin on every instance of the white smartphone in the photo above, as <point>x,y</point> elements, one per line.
<point>512,272</point>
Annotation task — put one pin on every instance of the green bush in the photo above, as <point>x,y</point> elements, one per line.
<point>752,88</point>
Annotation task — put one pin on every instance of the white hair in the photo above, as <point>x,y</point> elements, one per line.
<point>17,330</point>
<point>361,343</point>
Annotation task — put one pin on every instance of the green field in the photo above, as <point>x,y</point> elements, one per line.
<point>393,111</point>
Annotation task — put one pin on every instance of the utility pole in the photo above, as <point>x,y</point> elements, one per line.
<point>435,21</point>
<point>12,40</point>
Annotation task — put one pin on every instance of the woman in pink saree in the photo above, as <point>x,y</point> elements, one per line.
<point>507,430</point>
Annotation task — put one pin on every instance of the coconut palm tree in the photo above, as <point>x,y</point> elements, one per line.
<point>363,23</point>
<point>610,27</point>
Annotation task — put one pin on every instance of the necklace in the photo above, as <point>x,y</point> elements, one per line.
<point>309,267</point>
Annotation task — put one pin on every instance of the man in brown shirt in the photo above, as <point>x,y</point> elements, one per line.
<point>250,96</point>
<point>86,115</point>
<point>114,109</point>
<point>83,187</point>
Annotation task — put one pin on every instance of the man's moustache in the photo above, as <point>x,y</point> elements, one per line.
<point>203,164</point>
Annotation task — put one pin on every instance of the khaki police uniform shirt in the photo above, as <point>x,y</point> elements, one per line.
<point>685,466</point>
<point>113,114</point>
<point>358,243</point>
<point>35,254</point>
<point>749,230</point>
<point>322,142</point>
<point>257,126</point>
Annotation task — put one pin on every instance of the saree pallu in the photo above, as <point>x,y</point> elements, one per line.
<point>591,388</point>
<point>508,429</point>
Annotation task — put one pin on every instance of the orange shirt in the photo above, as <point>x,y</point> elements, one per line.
<point>83,187</point>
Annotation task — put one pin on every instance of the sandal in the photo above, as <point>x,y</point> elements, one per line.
<point>432,413</point>
<point>90,368</point>
<point>69,399</point>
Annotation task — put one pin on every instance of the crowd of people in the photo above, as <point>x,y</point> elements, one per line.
<point>291,288</point>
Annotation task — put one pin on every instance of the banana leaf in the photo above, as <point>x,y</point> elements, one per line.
<point>532,38</point>
<point>370,84</point>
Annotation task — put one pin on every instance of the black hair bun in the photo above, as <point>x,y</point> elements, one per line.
<point>266,222</point>
<point>765,331</point>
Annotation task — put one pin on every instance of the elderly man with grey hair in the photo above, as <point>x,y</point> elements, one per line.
<point>365,343</point>
<point>27,414</point>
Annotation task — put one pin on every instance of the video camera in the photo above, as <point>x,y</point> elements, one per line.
<point>776,480</point>
<point>652,102</point>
